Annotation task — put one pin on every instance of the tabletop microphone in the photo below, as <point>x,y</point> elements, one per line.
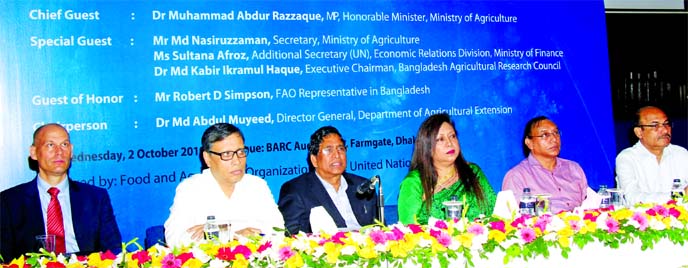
<point>368,186</point>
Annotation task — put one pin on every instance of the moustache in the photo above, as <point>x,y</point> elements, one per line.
<point>665,136</point>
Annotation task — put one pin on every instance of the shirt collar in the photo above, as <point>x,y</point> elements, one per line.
<point>643,150</point>
<point>44,186</point>
<point>534,162</point>
<point>342,183</point>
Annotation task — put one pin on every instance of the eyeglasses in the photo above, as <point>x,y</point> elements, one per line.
<point>656,126</point>
<point>229,155</point>
<point>330,150</point>
<point>546,135</point>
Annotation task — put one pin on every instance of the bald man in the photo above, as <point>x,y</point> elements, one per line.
<point>646,170</point>
<point>88,223</point>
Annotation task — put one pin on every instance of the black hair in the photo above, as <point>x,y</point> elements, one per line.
<point>530,125</point>
<point>215,133</point>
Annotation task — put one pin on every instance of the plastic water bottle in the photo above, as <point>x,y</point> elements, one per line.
<point>527,203</point>
<point>605,195</point>
<point>676,191</point>
<point>211,231</point>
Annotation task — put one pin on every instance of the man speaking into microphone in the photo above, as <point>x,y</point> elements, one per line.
<point>349,199</point>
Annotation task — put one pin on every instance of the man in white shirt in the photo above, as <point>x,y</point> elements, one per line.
<point>222,190</point>
<point>646,170</point>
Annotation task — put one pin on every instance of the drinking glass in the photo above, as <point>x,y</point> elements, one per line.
<point>617,198</point>
<point>453,209</point>
<point>47,242</point>
<point>542,204</point>
<point>225,231</point>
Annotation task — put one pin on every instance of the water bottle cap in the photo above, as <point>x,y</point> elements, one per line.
<point>454,198</point>
<point>526,190</point>
<point>211,217</point>
<point>677,180</point>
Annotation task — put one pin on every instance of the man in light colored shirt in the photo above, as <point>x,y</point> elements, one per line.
<point>88,221</point>
<point>543,171</point>
<point>327,186</point>
<point>646,170</point>
<point>224,191</point>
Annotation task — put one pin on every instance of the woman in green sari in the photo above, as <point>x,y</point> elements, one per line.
<point>438,171</point>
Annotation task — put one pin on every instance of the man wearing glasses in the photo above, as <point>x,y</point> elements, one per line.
<point>327,185</point>
<point>543,171</point>
<point>222,190</point>
<point>646,170</point>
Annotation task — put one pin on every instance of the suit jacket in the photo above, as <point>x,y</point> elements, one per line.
<point>22,219</point>
<point>300,194</point>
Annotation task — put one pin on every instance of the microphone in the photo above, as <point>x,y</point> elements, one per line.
<point>368,186</point>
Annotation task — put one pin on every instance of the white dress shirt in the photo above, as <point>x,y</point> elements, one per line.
<point>251,205</point>
<point>643,179</point>
<point>341,201</point>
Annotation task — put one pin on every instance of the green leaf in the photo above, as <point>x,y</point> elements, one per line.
<point>468,256</point>
<point>444,263</point>
<point>511,252</point>
<point>565,252</point>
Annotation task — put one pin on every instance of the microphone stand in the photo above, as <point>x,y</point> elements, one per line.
<point>381,203</point>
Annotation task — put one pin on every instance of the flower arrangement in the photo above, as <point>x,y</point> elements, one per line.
<point>437,244</point>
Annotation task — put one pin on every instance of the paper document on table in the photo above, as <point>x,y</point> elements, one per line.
<point>592,201</point>
<point>321,221</point>
<point>506,204</point>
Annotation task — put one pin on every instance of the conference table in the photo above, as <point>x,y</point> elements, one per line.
<point>646,235</point>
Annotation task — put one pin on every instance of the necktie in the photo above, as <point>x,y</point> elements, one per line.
<point>55,223</point>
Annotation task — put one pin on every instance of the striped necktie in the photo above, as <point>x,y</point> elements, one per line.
<point>55,223</point>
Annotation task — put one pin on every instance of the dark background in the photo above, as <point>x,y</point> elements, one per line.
<point>648,58</point>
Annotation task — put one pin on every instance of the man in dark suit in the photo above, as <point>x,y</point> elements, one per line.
<point>329,186</point>
<point>87,221</point>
